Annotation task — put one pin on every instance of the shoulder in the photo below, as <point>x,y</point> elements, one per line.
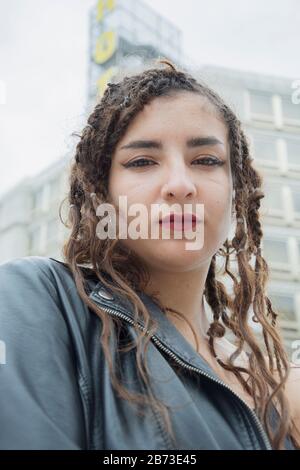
<point>31,273</point>
<point>41,291</point>
<point>41,312</point>
<point>27,276</point>
<point>29,296</point>
<point>38,370</point>
<point>20,270</point>
<point>38,292</point>
<point>29,280</point>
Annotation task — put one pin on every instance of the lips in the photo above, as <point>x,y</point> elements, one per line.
<point>179,221</point>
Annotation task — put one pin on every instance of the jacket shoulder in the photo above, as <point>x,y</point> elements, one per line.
<point>41,270</point>
<point>23,278</point>
<point>39,374</point>
<point>37,267</point>
<point>30,299</point>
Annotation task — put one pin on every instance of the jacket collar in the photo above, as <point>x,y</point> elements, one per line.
<point>166,333</point>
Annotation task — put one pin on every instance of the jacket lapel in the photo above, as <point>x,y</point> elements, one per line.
<point>167,333</point>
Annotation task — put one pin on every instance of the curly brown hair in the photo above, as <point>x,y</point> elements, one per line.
<point>88,180</point>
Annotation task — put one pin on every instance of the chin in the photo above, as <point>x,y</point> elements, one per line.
<point>176,256</point>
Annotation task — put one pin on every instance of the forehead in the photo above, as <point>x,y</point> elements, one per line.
<point>175,117</point>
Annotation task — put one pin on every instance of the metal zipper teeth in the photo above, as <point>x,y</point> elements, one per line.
<point>196,369</point>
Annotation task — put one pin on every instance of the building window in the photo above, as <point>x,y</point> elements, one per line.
<point>265,149</point>
<point>290,111</point>
<point>296,202</point>
<point>293,153</point>
<point>275,250</point>
<point>37,199</point>
<point>284,305</point>
<point>52,230</point>
<point>35,240</point>
<point>55,192</point>
<point>272,203</point>
<point>261,106</point>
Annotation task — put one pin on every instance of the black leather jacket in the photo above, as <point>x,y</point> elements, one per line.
<point>55,387</point>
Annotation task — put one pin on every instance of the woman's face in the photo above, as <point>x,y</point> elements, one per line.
<point>176,171</point>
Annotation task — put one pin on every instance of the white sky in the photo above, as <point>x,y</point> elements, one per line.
<point>44,53</point>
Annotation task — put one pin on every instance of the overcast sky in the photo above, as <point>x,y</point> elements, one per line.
<point>44,56</point>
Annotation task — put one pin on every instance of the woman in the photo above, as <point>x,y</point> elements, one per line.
<point>123,346</point>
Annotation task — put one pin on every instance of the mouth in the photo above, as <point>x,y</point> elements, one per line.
<point>179,222</point>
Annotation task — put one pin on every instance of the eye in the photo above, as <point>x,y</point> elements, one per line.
<point>139,162</point>
<point>209,161</point>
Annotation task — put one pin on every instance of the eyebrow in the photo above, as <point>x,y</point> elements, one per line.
<point>157,144</point>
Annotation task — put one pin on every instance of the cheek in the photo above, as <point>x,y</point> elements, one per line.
<point>134,191</point>
<point>118,188</point>
<point>217,199</point>
<point>125,194</point>
<point>217,210</point>
<point>222,205</point>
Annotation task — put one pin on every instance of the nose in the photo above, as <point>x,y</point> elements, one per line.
<point>178,186</point>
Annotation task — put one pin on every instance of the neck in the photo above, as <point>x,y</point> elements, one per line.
<point>181,292</point>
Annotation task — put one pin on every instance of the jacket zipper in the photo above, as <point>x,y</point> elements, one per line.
<point>196,369</point>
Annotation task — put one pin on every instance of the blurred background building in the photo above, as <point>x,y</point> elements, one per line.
<point>126,33</point>
<point>272,124</point>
